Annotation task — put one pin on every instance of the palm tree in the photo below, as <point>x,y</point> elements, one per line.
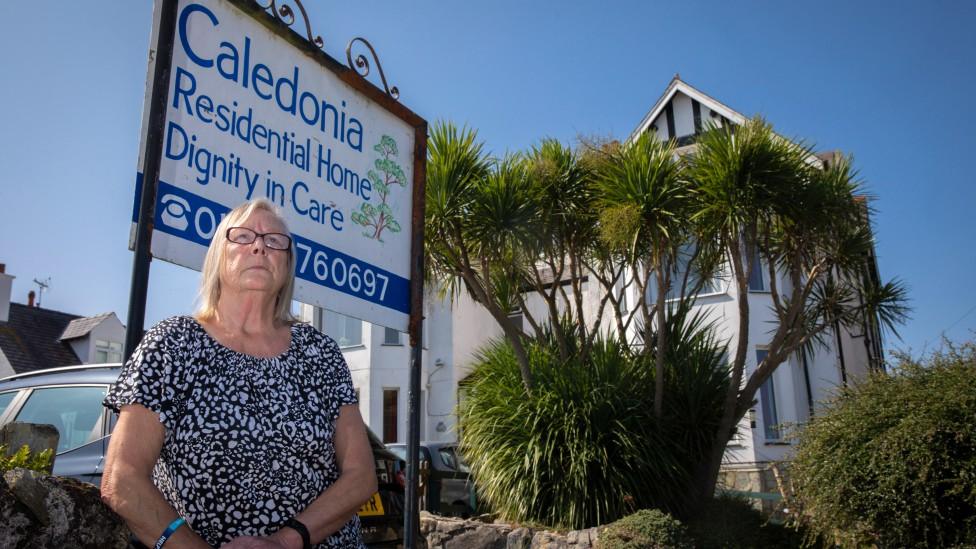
<point>645,203</point>
<point>481,225</point>
<point>567,235</point>
<point>760,195</point>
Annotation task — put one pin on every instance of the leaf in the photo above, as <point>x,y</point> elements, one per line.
<point>393,226</point>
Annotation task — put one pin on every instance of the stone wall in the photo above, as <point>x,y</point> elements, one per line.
<point>756,478</point>
<point>39,511</point>
<point>45,511</point>
<point>453,533</point>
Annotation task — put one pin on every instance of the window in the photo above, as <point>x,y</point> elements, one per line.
<point>682,266</point>
<point>390,397</point>
<point>75,412</point>
<point>757,280</point>
<point>347,331</point>
<point>767,395</point>
<point>107,351</point>
<point>712,285</point>
<point>391,337</point>
<point>5,400</point>
<point>516,317</point>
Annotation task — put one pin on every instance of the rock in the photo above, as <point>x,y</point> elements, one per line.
<point>486,518</point>
<point>520,538</point>
<point>428,523</point>
<point>453,533</point>
<point>582,539</point>
<point>37,436</point>
<point>548,540</point>
<point>41,510</point>
<point>25,487</point>
<point>450,526</point>
<point>15,524</point>
<point>482,536</point>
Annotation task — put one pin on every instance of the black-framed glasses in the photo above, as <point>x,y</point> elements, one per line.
<point>243,235</point>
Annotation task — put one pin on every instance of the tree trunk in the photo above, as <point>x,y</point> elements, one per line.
<point>708,475</point>
<point>513,335</point>
<point>662,340</point>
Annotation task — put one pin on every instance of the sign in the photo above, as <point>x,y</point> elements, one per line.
<point>250,115</point>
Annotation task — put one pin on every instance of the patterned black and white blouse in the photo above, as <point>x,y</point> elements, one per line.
<point>249,440</point>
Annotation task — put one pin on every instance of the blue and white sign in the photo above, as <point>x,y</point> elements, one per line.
<point>249,116</point>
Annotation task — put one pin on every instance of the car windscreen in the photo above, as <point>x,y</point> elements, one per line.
<point>452,460</point>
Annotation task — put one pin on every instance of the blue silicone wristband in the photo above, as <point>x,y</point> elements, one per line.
<point>169,532</point>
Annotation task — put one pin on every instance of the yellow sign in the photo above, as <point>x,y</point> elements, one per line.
<point>373,507</point>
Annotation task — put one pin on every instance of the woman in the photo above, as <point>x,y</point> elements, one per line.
<point>239,420</point>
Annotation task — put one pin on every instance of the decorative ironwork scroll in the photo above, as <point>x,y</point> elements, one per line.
<point>361,65</point>
<point>287,16</point>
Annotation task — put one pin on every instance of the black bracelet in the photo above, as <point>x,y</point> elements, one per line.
<point>297,526</point>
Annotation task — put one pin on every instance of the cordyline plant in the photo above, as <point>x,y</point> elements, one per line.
<point>505,230</point>
<point>645,213</point>
<point>759,195</point>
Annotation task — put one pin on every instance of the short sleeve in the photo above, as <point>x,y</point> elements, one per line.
<point>149,377</point>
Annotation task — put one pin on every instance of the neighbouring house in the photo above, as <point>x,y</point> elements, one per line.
<point>34,338</point>
<point>379,357</point>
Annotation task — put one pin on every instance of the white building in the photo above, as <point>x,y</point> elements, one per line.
<point>380,362</point>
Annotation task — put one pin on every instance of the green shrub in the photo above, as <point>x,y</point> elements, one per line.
<point>25,459</point>
<point>585,448</point>
<point>892,461</point>
<point>732,522</point>
<point>645,529</point>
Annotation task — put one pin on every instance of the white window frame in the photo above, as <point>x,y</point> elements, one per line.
<point>107,351</point>
<point>345,323</point>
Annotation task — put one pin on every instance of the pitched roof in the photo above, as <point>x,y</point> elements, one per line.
<point>678,85</point>
<point>30,339</point>
<point>80,327</point>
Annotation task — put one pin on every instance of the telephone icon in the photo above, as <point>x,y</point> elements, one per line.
<point>175,210</point>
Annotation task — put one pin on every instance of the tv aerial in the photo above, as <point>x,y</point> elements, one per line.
<point>42,285</point>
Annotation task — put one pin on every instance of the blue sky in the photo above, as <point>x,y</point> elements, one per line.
<point>889,82</point>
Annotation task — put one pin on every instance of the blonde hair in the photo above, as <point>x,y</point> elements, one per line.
<point>209,293</point>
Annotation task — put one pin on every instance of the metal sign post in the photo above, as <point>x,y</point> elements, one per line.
<point>240,106</point>
<point>136,317</point>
